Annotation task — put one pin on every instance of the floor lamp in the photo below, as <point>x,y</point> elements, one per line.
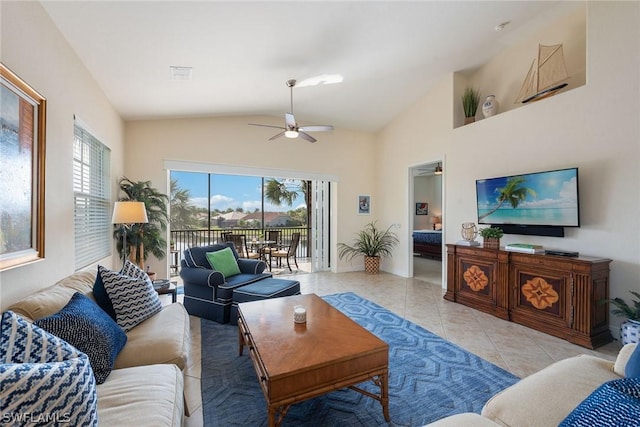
<point>126,214</point>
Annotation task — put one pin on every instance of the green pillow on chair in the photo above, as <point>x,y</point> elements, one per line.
<point>224,262</point>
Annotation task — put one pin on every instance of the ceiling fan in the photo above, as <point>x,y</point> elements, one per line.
<point>291,128</point>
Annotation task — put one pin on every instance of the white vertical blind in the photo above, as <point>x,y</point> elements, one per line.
<point>91,198</point>
<point>319,239</point>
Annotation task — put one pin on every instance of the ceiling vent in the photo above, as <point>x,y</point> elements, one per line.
<point>180,73</point>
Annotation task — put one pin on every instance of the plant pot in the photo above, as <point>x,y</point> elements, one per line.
<point>630,332</point>
<point>491,243</point>
<point>468,120</point>
<point>372,264</point>
<point>151,275</point>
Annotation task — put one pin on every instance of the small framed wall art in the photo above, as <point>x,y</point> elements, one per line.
<point>422,208</point>
<point>364,205</point>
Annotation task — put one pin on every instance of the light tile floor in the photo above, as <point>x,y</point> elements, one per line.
<point>513,347</point>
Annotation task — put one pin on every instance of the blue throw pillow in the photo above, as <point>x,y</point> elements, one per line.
<point>43,377</point>
<point>102,298</point>
<point>632,368</point>
<point>88,328</point>
<point>614,403</point>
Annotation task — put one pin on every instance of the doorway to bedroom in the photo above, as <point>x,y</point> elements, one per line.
<point>427,249</point>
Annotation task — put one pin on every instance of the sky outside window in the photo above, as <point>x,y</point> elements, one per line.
<point>230,192</point>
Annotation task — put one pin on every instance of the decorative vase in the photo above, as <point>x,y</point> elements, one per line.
<point>490,106</point>
<point>629,332</point>
<point>372,264</point>
<point>491,243</point>
<point>469,231</point>
<point>468,120</point>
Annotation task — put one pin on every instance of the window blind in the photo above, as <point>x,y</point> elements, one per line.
<point>91,198</point>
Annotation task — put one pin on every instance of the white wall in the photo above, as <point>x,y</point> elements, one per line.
<point>504,74</point>
<point>34,49</point>
<point>594,127</point>
<point>230,141</point>
<point>427,188</point>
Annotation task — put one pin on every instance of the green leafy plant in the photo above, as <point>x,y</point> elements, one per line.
<point>371,242</point>
<point>470,101</point>
<point>491,233</point>
<point>143,239</point>
<point>622,309</point>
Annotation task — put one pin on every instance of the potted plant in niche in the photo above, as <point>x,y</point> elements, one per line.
<point>630,327</point>
<point>372,243</point>
<point>143,239</point>
<point>491,237</point>
<point>470,102</point>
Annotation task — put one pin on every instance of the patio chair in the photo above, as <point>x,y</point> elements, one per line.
<point>240,242</point>
<point>271,236</point>
<point>288,251</point>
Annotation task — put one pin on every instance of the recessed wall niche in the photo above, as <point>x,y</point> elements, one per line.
<point>505,72</point>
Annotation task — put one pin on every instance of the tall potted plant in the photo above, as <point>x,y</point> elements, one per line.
<point>144,239</point>
<point>372,243</point>
<point>470,102</point>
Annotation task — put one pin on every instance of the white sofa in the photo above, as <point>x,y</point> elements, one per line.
<point>146,387</point>
<point>546,397</point>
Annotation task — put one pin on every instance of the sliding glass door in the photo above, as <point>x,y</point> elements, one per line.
<point>206,205</point>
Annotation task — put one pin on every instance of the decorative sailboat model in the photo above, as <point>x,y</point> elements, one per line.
<point>546,75</point>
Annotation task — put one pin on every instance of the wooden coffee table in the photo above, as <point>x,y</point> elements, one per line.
<point>295,362</point>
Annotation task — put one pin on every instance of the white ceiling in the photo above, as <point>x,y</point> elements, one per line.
<point>242,53</point>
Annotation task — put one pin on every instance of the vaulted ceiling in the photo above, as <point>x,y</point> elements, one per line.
<point>389,53</point>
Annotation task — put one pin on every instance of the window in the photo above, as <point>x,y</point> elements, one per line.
<point>91,198</point>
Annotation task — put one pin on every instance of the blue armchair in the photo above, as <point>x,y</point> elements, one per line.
<point>207,292</point>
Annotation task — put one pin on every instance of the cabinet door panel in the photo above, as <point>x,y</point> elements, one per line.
<point>477,278</point>
<point>476,283</point>
<point>541,297</point>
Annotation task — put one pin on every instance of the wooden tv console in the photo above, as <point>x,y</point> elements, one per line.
<point>556,295</point>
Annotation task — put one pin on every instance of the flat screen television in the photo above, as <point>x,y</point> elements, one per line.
<point>540,203</point>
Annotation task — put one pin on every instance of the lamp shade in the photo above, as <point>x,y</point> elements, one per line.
<point>129,213</point>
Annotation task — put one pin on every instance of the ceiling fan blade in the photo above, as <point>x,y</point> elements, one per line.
<point>276,136</point>
<point>290,120</point>
<point>306,136</point>
<point>317,128</point>
<point>266,126</point>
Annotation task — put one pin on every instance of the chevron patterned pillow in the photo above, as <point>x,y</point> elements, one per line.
<point>45,381</point>
<point>132,270</point>
<point>134,299</point>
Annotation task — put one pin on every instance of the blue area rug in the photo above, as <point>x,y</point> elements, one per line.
<point>429,377</point>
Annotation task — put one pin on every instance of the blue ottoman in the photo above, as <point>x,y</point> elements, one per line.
<point>262,289</point>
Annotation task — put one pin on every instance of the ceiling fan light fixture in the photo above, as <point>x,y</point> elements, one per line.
<point>291,134</point>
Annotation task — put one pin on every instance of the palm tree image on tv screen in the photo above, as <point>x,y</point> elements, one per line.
<point>542,199</point>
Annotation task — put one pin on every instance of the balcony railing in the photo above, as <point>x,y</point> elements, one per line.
<point>183,239</point>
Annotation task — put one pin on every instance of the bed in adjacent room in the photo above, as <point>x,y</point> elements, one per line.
<point>428,243</point>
